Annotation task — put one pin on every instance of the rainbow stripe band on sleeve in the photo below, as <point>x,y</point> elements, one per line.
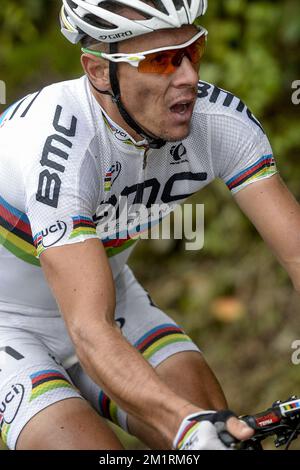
<point>263,168</point>
<point>160,337</point>
<point>46,380</point>
<point>15,233</point>
<point>82,226</point>
<point>115,246</point>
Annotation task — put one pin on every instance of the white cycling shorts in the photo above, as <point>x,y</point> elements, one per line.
<point>38,365</point>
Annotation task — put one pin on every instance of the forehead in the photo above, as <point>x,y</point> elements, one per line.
<point>156,39</point>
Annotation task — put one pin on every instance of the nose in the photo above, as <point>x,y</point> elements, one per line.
<point>185,74</point>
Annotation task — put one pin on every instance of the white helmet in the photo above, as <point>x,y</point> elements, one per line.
<point>103,19</point>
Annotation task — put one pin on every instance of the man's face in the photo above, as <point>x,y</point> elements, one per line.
<point>156,101</point>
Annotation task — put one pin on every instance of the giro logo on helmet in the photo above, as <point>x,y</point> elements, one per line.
<point>116,36</point>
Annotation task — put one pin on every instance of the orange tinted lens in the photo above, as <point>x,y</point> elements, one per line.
<point>167,61</point>
<point>158,62</point>
<point>196,50</point>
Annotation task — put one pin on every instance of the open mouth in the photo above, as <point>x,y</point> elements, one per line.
<point>182,111</point>
<point>180,108</point>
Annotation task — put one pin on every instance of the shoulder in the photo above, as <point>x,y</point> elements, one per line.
<point>240,150</point>
<point>54,106</point>
<point>46,137</point>
<point>47,126</point>
<point>225,108</point>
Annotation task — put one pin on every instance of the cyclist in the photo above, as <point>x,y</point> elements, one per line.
<point>79,336</point>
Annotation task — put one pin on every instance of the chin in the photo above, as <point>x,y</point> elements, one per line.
<point>172,136</point>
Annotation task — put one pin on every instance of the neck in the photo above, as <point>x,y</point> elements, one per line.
<point>112,111</point>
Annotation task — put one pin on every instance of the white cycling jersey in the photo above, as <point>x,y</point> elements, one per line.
<point>62,159</point>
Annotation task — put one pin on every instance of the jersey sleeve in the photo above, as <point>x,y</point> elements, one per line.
<point>241,152</point>
<point>62,200</point>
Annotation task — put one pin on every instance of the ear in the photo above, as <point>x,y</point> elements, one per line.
<point>97,71</point>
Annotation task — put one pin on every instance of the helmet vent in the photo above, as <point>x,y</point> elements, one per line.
<point>72,4</point>
<point>180,3</point>
<point>98,22</point>
<point>128,10</point>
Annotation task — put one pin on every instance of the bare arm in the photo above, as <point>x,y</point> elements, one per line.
<point>276,214</point>
<point>82,283</point>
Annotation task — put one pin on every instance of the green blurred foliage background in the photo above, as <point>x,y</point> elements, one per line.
<point>232,296</point>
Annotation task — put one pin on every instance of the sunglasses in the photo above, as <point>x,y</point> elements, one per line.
<point>164,60</point>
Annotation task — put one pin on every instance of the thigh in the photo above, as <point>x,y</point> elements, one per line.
<point>153,333</point>
<point>198,384</point>
<point>40,408</point>
<point>68,425</point>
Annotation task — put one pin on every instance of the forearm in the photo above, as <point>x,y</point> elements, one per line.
<point>129,380</point>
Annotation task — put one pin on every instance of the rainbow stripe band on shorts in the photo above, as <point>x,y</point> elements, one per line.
<point>159,338</point>
<point>46,381</point>
<point>108,408</point>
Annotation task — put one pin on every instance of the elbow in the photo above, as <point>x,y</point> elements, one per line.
<point>84,344</point>
<point>81,339</point>
<point>78,333</point>
<point>87,332</point>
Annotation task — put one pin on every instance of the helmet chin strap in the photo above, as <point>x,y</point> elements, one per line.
<point>154,142</point>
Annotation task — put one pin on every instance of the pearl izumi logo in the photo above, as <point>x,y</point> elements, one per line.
<point>11,402</point>
<point>178,153</point>
<point>54,233</point>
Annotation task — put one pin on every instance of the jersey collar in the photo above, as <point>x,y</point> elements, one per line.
<point>120,134</point>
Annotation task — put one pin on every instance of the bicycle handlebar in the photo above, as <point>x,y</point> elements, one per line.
<point>281,420</point>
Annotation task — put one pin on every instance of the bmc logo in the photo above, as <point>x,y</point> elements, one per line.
<point>56,151</point>
<point>11,403</point>
<point>58,229</point>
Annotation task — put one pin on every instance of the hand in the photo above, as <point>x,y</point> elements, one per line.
<point>211,430</point>
<point>239,429</point>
